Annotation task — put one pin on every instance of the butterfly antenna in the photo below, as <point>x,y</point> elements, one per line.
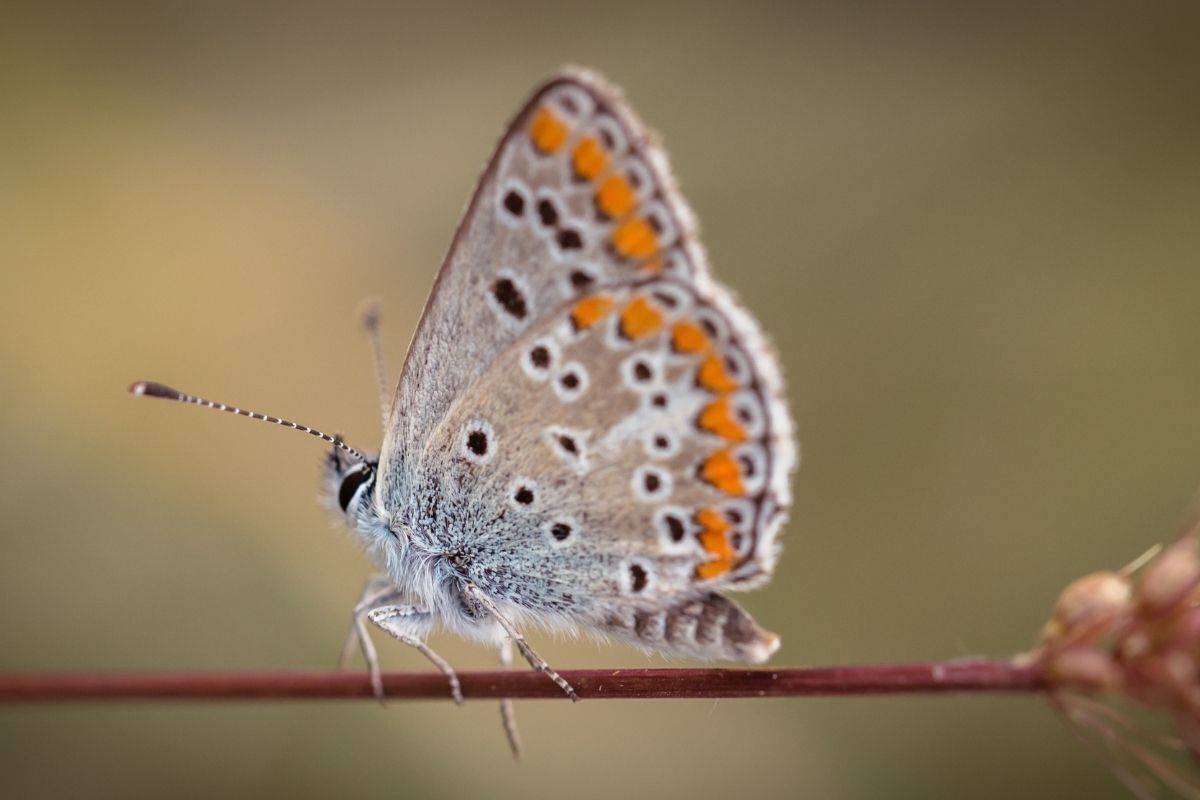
<point>152,389</point>
<point>372,313</point>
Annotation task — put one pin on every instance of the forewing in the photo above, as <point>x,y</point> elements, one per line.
<point>574,197</point>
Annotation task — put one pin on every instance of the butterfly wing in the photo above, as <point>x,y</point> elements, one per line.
<point>586,419</point>
<point>513,256</point>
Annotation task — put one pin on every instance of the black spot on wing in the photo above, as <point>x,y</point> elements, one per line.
<point>510,298</point>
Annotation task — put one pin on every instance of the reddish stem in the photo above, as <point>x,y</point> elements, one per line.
<point>975,675</point>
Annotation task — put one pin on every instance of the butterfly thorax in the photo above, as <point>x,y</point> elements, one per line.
<point>421,546</point>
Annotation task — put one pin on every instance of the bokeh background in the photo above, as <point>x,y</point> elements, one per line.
<point>972,231</point>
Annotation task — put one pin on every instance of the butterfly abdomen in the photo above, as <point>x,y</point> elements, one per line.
<point>709,627</point>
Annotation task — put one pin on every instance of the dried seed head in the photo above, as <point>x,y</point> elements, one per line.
<point>1089,608</point>
<point>1141,643</point>
<point>1133,645</point>
<point>1083,668</point>
<point>1163,679</point>
<point>1170,579</point>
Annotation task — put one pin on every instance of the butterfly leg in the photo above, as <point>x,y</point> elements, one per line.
<point>507,715</point>
<point>404,624</point>
<point>376,588</point>
<point>535,661</point>
<point>379,590</point>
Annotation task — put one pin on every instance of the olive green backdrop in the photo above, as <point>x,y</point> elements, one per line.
<point>973,234</point>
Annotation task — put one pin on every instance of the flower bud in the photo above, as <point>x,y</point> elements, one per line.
<point>1088,608</point>
<point>1170,578</point>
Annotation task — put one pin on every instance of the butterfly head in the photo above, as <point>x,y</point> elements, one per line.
<point>349,483</point>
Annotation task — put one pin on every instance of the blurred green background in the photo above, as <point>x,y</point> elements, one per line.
<point>973,233</point>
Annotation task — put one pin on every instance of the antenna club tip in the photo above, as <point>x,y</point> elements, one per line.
<point>152,389</point>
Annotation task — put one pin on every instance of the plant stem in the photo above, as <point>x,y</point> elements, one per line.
<point>976,675</point>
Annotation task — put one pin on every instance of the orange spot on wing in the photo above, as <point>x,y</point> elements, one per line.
<point>635,238</point>
<point>717,418</point>
<point>640,318</point>
<point>713,569</point>
<point>616,197</point>
<point>714,538</point>
<point>714,534</point>
<point>712,375</point>
<point>590,310</point>
<point>547,130</point>
<point>722,470</point>
<point>589,158</point>
<point>687,337</point>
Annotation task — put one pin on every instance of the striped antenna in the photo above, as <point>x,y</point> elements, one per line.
<point>152,389</point>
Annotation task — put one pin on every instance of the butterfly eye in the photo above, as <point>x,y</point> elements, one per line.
<point>351,484</point>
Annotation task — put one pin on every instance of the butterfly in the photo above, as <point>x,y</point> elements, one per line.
<point>589,434</point>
